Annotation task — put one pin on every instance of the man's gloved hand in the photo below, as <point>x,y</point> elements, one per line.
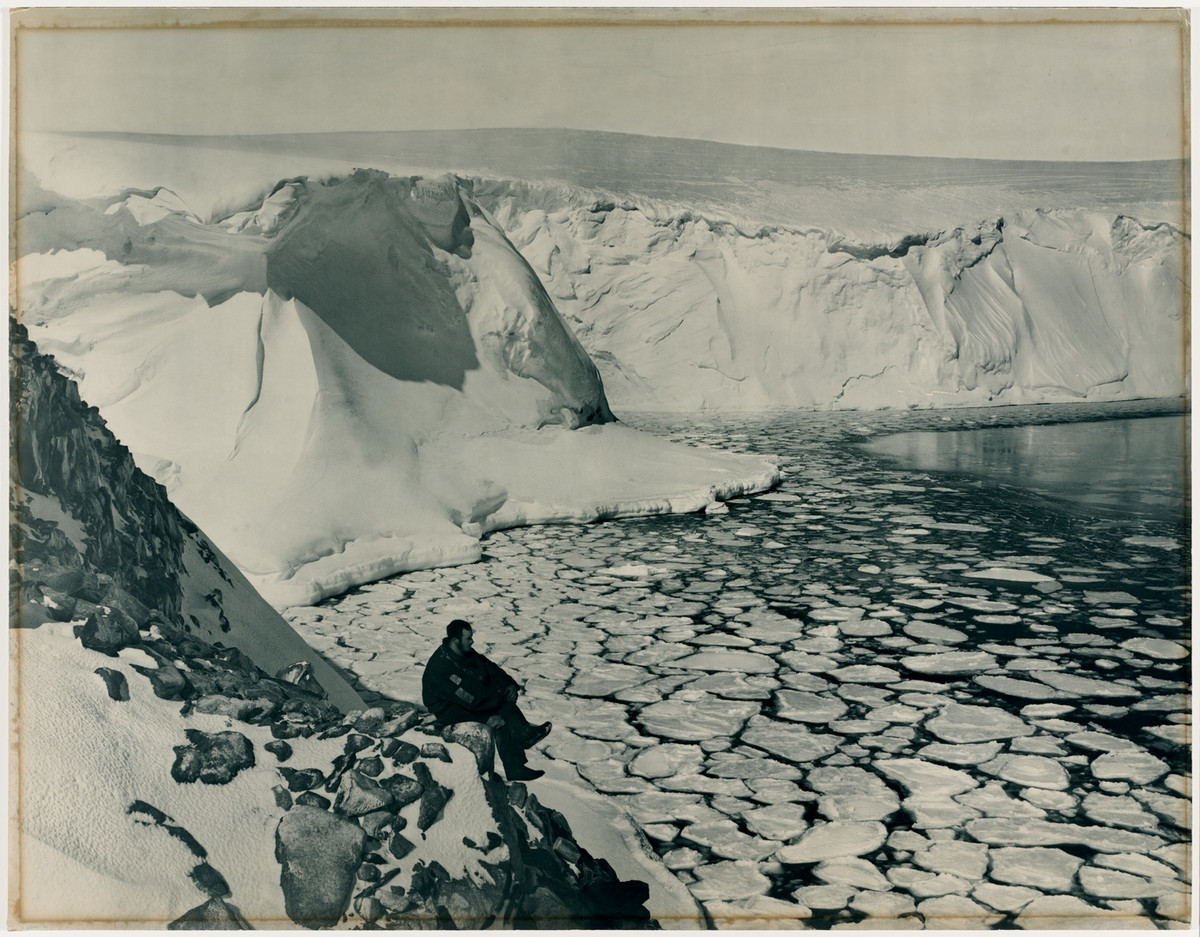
<point>510,694</point>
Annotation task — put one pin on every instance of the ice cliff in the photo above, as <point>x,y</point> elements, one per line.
<point>684,311</point>
<point>167,779</point>
<point>342,379</point>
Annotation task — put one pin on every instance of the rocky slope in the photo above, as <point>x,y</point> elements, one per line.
<point>166,778</point>
<point>92,532</point>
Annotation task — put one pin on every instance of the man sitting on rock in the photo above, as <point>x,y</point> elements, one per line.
<point>460,685</point>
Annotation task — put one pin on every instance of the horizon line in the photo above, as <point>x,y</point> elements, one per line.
<point>624,133</point>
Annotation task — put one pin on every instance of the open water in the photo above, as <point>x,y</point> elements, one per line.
<point>1125,466</point>
<point>931,680</point>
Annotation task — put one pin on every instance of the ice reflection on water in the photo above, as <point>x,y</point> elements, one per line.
<point>938,664</point>
<point>1133,465</point>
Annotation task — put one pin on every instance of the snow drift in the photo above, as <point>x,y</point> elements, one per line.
<point>342,380</point>
<point>682,311</point>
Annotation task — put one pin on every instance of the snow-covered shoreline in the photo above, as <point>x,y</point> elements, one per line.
<point>381,562</point>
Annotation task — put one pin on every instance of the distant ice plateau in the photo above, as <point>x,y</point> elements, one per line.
<point>343,372</point>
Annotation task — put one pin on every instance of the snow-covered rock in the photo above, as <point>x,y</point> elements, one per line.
<point>96,535</point>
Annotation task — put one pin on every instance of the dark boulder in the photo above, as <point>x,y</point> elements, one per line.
<point>369,908</point>
<point>300,674</point>
<point>479,739</point>
<point>93,587</point>
<point>172,632</point>
<point>369,872</point>
<point>618,904</point>
<point>401,718</point>
<point>434,797</point>
<point>283,729</point>
<point>359,794</point>
<point>256,710</point>
<point>209,881</point>
<point>60,606</point>
<point>214,914</point>
<point>402,753</point>
<point>233,658</point>
<point>567,849</point>
<point>319,854</point>
<point>356,743</point>
<point>212,758</point>
<point>460,903</point>
<point>376,821</point>
<point>400,846</point>
<point>436,750</point>
<point>547,910</point>
<point>302,779</point>
<point>167,681</point>
<point>68,580</point>
<point>340,765</point>
<point>114,682</point>
<point>116,597</point>
<point>108,630</point>
<point>404,790</point>
<point>369,722</point>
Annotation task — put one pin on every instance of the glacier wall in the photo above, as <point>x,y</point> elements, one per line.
<point>683,312</point>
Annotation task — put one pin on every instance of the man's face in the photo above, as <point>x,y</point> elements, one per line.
<point>464,642</point>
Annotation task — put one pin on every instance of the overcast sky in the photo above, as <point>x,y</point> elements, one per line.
<point>1078,91</point>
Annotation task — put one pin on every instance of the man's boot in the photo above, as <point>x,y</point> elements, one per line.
<point>512,756</point>
<point>536,734</point>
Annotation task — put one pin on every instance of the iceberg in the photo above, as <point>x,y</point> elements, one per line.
<point>359,377</point>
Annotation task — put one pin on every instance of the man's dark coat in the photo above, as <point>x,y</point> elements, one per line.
<point>468,688</point>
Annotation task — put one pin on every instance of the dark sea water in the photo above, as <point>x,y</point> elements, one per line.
<point>1124,466</point>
